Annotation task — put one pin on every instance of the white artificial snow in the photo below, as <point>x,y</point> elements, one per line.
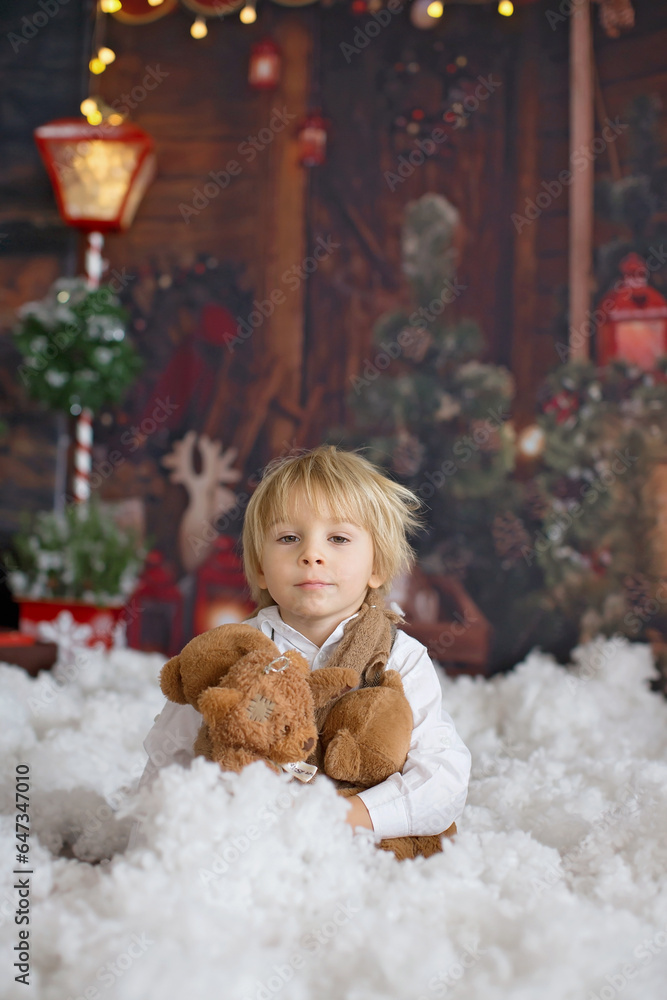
<point>251,887</point>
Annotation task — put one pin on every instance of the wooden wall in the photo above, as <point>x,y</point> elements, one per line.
<point>271,215</point>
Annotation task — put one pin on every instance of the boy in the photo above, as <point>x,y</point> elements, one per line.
<point>325,534</point>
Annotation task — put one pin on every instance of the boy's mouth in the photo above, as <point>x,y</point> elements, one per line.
<point>313,584</point>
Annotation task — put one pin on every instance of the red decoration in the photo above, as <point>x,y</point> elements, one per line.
<point>155,610</point>
<point>634,327</point>
<point>264,66</point>
<point>99,172</point>
<point>222,594</point>
<point>101,621</point>
<point>313,140</point>
<point>141,11</point>
<point>563,405</point>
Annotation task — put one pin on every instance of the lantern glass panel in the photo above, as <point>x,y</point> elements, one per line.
<point>640,341</point>
<point>95,176</point>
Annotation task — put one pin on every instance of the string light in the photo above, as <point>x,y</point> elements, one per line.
<point>506,8</point>
<point>532,441</point>
<point>107,55</point>
<point>96,66</point>
<point>88,107</point>
<point>155,3</point>
<point>111,6</point>
<point>435,9</point>
<point>248,13</point>
<point>198,28</point>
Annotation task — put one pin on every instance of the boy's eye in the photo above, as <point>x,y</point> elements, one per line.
<point>340,538</point>
<point>289,537</point>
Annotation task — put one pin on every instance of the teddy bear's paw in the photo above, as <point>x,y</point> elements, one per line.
<point>342,759</point>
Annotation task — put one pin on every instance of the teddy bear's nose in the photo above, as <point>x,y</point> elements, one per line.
<point>309,744</point>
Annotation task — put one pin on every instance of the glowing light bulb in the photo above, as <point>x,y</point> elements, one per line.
<point>95,118</point>
<point>248,13</point>
<point>115,119</point>
<point>198,28</point>
<point>88,107</point>
<point>532,441</point>
<point>155,3</point>
<point>435,9</point>
<point>506,8</point>
<point>96,66</point>
<point>110,6</point>
<point>107,55</point>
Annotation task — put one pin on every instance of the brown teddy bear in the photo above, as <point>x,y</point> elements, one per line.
<point>366,738</point>
<point>256,703</point>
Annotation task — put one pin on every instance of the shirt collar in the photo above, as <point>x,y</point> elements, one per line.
<point>270,617</point>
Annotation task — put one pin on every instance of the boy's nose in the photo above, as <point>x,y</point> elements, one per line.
<point>310,558</point>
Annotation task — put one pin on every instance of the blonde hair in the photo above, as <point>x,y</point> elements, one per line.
<point>350,488</point>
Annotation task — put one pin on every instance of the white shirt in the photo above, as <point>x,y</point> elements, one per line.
<point>430,792</point>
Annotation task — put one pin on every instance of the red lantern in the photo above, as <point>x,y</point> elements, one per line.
<point>99,172</point>
<point>313,140</point>
<point>264,66</point>
<point>634,327</point>
<point>155,610</point>
<point>222,592</point>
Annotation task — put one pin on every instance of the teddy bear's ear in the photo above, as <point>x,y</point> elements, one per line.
<point>215,703</point>
<point>330,683</point>
<point>171,681</point>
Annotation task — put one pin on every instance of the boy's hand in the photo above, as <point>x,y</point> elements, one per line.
<point>358,814</point>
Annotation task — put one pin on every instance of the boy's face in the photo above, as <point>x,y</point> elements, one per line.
<point>317,570</point>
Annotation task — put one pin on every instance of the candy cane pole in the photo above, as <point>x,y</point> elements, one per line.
<point>83,451</point>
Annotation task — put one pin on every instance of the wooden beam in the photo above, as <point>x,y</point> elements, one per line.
<point>524,279</point>
<point>285,230</point>
<point>581,191</point>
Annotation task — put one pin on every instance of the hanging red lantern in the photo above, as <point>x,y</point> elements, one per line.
<point>264,65</point>
<point>221,592</point>
<point>313,140</point>
<point>155,610</point>
<point>99,172</point>
<point>634,327</point>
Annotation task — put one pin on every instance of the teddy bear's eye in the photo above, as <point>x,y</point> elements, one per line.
<point>287,729</point>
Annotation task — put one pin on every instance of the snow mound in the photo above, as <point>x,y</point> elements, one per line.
<point>250,887</point>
